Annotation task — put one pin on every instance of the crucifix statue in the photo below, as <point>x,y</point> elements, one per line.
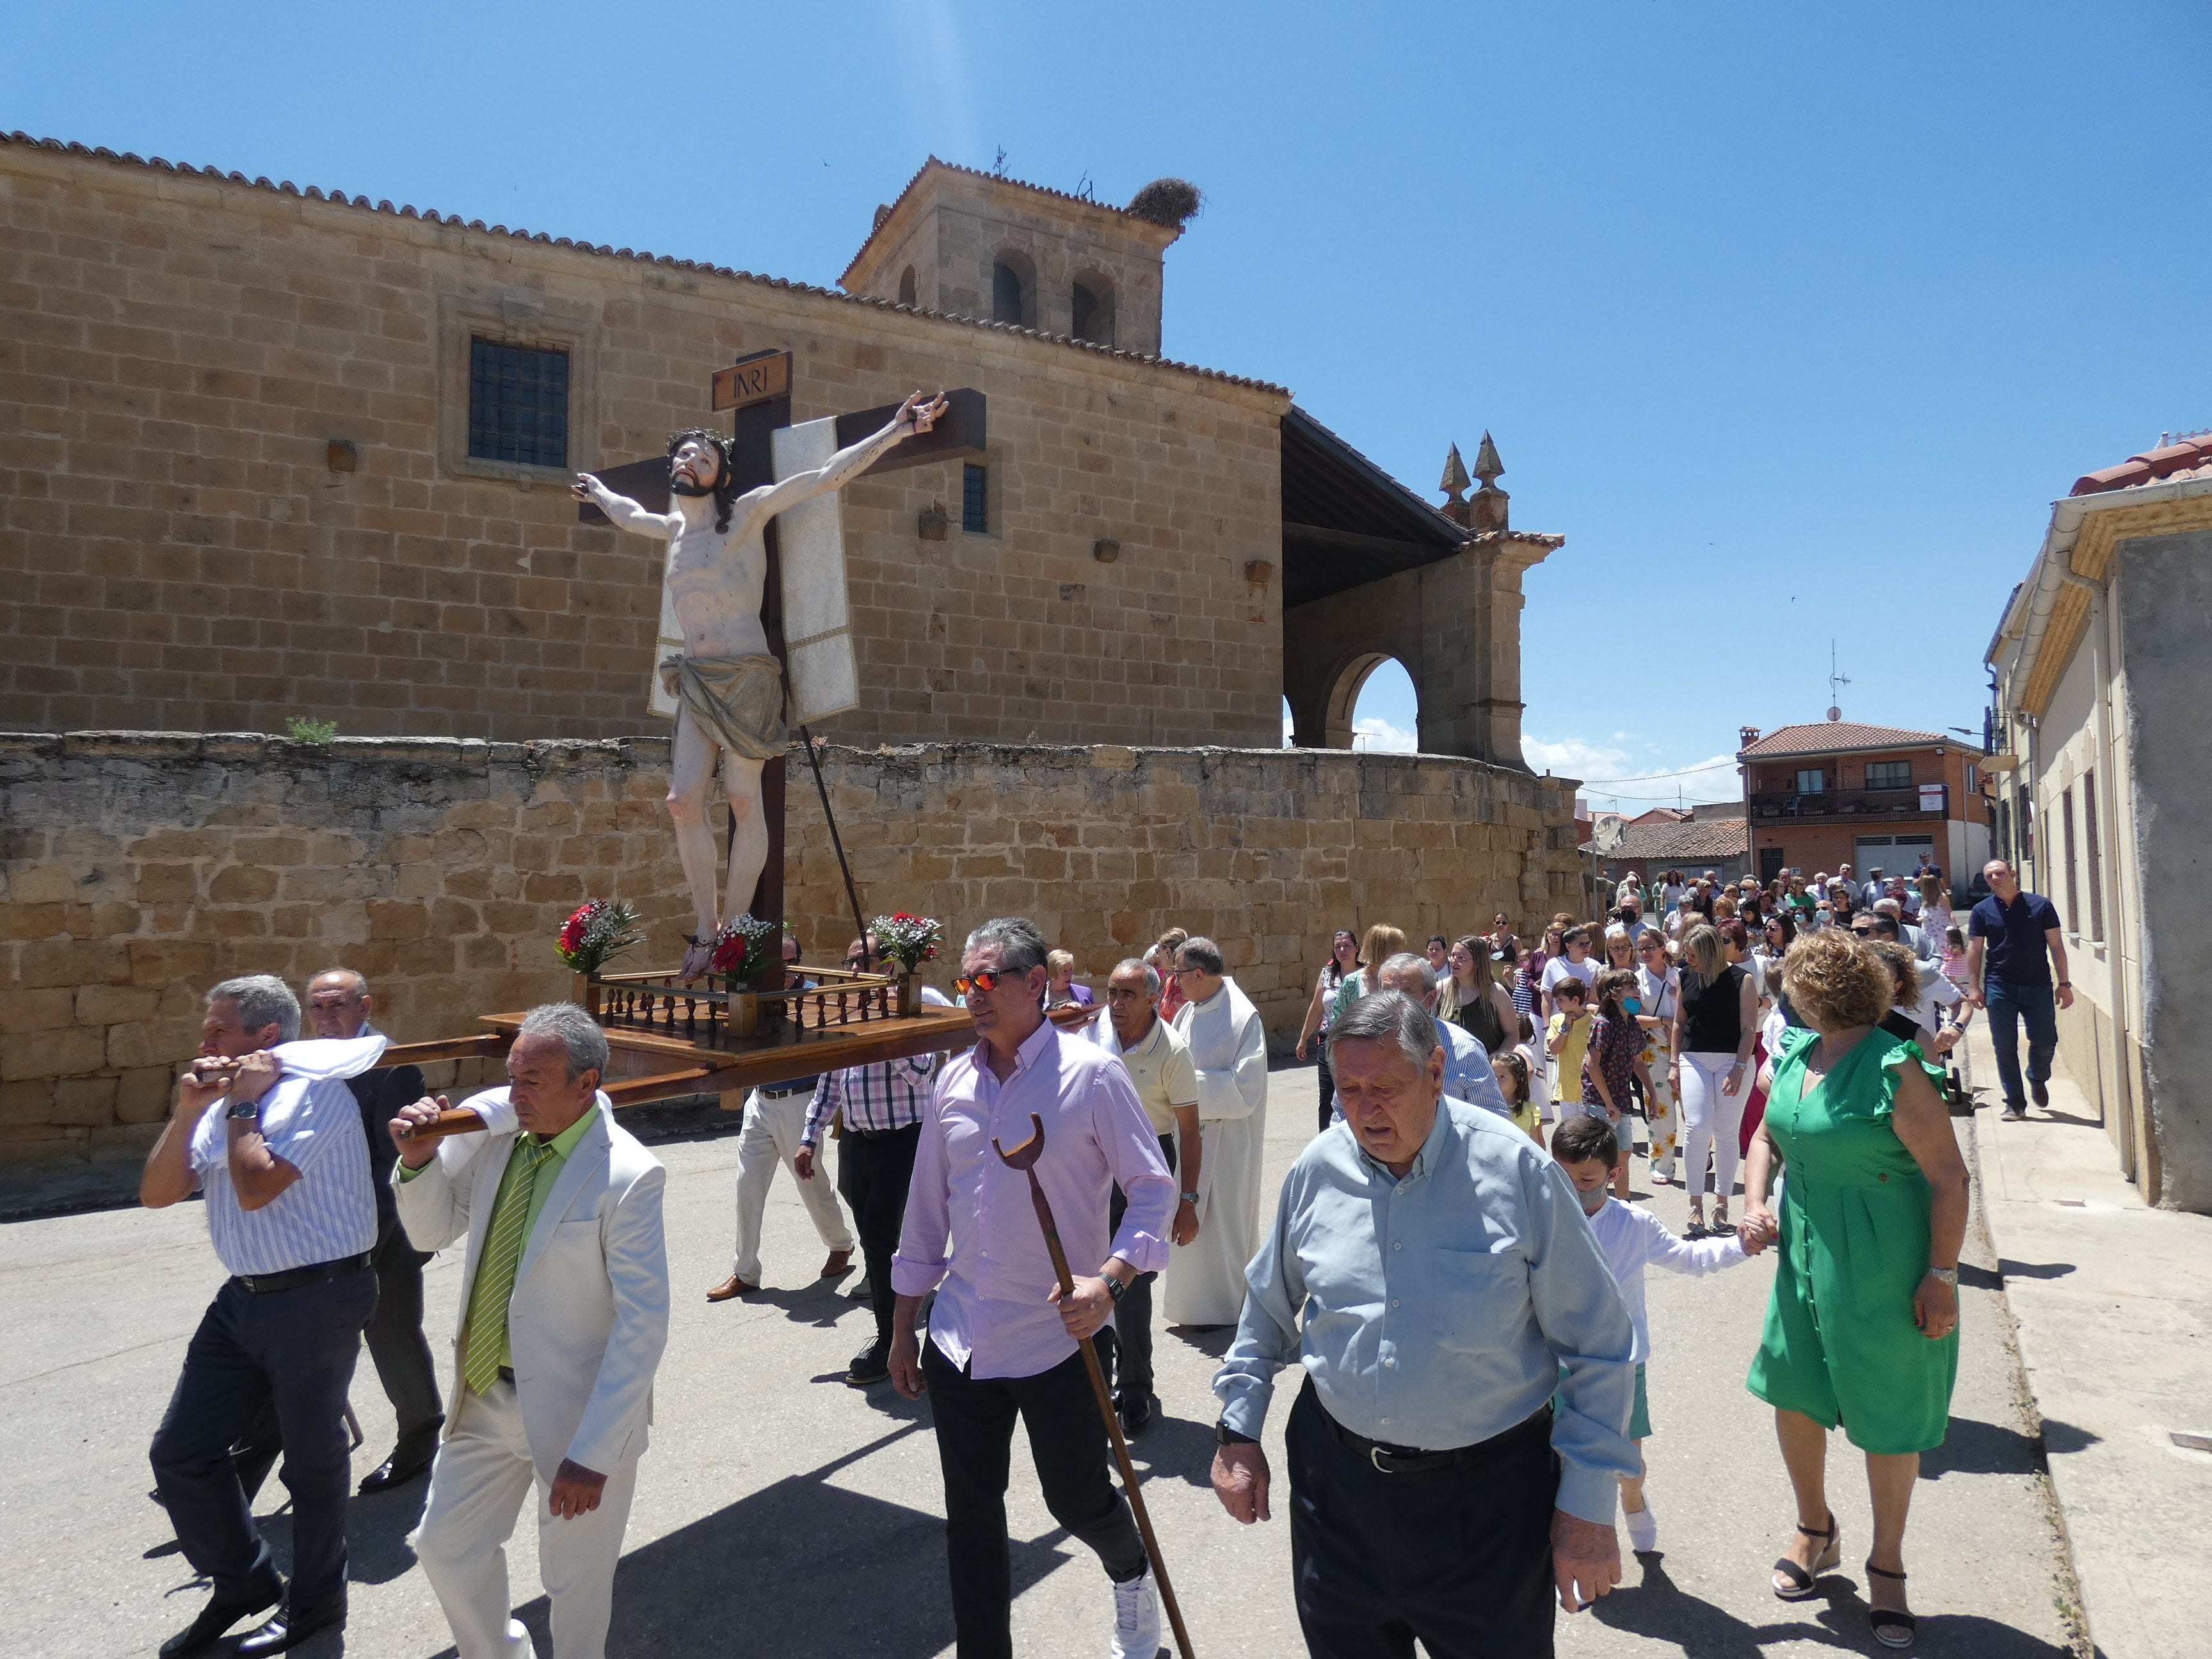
<point>727,683</point>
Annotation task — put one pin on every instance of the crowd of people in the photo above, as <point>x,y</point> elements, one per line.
<point>1455,1261</point>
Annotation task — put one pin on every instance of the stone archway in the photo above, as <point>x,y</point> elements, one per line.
<point>1341,705</point>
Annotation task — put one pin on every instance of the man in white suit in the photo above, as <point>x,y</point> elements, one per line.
<point>564,1312</point>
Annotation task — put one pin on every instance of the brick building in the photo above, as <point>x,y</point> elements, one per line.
<point>271,452</point>
<point>1874,797</point>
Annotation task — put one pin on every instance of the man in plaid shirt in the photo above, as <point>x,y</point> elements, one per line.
<point>882,1105</point>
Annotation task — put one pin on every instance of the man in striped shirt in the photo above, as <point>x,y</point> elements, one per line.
<point>283,1165</point>
<point>883,1104</point>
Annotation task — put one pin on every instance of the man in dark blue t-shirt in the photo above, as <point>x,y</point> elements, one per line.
<point>2014,941</point>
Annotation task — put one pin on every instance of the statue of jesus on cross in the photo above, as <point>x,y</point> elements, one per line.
<point>728,687</point>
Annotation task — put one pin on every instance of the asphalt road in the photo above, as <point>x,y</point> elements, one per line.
<point>781,1513</point>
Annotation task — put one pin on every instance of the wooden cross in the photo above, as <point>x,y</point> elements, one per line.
<point>757,391</point>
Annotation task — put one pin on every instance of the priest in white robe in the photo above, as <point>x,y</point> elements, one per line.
<point>1229,1049</point>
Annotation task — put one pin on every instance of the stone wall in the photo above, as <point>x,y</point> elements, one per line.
<point>139,868</point>
<point>235,484</point>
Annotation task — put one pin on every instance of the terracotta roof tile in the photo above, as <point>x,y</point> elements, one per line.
<point>1840,736</point>
<point>2189,459</point>
<point>432,215</point>
<point>1688,842</point>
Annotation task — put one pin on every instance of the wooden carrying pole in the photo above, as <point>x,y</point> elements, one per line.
<point>1023,1158</point>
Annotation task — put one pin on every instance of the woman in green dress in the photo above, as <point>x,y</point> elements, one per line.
<point>1861,1330</point>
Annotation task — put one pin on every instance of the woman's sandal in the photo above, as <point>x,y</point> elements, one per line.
<point>1885,1620</point>
<point>1800,1585</point>
<point>1697,1216</point>
<point>1720,1216</point>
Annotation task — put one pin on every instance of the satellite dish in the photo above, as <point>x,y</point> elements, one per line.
<point>1835,714</point>
<point>1608,831</point>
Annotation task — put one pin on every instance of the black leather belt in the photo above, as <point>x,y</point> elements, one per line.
<point>1412,1460</point>
<point>293,1278</point>
<point>880,1134</point>
<point>786,1094</point>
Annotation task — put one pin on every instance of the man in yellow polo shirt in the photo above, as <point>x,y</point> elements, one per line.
<point>1158,1063</point>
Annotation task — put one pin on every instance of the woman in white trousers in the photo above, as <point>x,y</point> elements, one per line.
<point>1716,1024</point>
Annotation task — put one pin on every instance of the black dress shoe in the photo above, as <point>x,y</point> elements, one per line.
<point>1137,1415</point>
<point>871,1365</point>
<point>2041,1091</point>
<point>394,1471</point>
<point>284,1632</point>
<point>217,1617</point>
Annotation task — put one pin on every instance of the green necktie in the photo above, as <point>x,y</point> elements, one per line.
<point>484,1346</point>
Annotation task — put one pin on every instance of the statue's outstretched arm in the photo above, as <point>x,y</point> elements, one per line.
<point>919,413</point>
<point>626,513</point>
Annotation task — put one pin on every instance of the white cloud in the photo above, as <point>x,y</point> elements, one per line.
<point>1576,757</point>
<point>1377,735</point>
<point>1611,775</point>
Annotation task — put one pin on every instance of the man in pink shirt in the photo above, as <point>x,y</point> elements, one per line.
<point>1002,1341</point>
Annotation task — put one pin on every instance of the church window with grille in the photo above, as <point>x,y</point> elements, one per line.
<point>975,500</point>
<point>518,404</point>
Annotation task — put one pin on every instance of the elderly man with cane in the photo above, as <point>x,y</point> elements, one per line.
<point>1433,1273</point>
<point>1006,1339</point>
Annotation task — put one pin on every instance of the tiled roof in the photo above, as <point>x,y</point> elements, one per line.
<point>2189,459</point>
<point>1841,737</point>
<point>431,216</point>
<point>1685,843</point>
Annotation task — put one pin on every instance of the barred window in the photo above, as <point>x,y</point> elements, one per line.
<point>975,500</point>
<point>2094,832</point>
<point>518,404</point>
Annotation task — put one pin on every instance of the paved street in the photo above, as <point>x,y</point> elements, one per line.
<point>781,1513</point>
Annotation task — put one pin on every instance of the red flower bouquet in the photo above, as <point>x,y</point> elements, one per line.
<point>599,929</point>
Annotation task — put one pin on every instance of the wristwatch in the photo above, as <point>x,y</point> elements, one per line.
<point>1190,1198</point>
<point>1115,1289</point>
<point>244,1108</point>
<point>1225,1436</point>
<point>1948,1275</point>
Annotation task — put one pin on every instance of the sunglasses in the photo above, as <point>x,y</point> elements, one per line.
<point>989,980</point>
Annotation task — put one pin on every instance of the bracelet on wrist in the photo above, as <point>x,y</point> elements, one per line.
<point>1948,1275</point>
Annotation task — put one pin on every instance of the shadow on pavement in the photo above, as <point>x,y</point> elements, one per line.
<point>676,1598</point>
<point>1975,1448</point>
<point>1175,1448</point>
<point>1660,1609</point>
<point>2034,1269</point>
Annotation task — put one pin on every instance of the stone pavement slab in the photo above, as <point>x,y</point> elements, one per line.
<point>2114,1305</point>
<point>781,1513</point>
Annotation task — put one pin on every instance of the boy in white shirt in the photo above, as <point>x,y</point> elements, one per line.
<point>1586,1149</point>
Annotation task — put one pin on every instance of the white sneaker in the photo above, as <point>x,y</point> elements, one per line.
<point>1644,1529</point>
<point>1137,1618</point>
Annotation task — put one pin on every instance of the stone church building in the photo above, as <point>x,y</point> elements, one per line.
<point>269,453</point>
<point>272,452</point>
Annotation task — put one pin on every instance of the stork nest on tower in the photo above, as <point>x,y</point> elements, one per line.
<point>1171,202</point>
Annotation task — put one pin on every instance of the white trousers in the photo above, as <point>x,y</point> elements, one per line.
<point>478,1485</point>
<point>1712,1121</point>
<point>770,1138</point>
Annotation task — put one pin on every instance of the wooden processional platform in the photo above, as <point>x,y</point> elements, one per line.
<point>674,1040</point>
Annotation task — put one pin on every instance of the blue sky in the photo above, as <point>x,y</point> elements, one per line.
<point>1793,321</point>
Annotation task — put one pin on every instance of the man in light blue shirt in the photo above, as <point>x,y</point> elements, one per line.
<point>1433,1272</point>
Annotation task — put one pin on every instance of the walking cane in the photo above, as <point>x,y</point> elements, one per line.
<point>1023,1158</point>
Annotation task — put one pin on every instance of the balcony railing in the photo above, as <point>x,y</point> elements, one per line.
<point>1888,804</point>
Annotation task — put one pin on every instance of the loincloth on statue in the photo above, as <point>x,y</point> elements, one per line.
<point>737,701</point>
